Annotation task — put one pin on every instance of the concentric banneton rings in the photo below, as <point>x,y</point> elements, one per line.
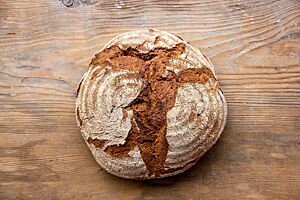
<point>116,107</point>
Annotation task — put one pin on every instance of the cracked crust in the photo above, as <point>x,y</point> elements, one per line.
<point>150,105</point>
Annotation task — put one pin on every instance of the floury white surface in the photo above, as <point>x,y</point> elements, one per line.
<point>193,124</point>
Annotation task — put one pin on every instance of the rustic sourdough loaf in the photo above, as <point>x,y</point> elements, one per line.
<point>149,105</point>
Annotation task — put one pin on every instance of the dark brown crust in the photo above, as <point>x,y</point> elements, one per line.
<point>192,75</point>
<point>149,121</point>
<point>96,142</point>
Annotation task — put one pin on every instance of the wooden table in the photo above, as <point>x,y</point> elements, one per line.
<point>45,48</point>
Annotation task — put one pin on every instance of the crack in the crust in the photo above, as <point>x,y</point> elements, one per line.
<point>78,88</point>
<point>78,117</point>
<point>96,142</point>
<point>149,121</point>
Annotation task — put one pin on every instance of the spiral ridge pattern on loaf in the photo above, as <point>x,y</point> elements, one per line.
<point>194,123</point>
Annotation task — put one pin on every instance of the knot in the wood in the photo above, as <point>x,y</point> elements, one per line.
<point>68,3</point>
<point>75,3</point>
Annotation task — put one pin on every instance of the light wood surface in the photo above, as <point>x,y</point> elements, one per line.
<point>45,48</point>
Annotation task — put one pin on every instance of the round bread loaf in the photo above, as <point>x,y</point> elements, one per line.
<point>149,105</point>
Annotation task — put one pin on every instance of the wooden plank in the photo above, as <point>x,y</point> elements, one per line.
<point>45,48</point>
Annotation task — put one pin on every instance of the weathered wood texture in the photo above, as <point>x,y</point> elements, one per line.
<point>45,48</point>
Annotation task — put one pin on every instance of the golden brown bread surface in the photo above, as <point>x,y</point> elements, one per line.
<point>149,105</point>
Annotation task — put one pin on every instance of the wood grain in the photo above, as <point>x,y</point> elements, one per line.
<point>45,48</point>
